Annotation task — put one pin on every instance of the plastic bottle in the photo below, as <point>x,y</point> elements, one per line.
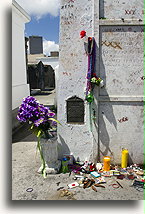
<point>65,168</point>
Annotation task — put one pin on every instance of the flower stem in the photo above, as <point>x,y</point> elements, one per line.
<point>41,156</point>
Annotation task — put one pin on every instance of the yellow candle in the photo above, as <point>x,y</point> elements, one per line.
<point>106,161</point>
<point>124,158</point>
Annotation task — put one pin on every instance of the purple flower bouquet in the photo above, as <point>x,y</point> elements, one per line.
<point>40,118</point>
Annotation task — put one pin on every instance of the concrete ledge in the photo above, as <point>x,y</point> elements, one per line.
<point>119,22</point>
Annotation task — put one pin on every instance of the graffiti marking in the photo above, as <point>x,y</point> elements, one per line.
<point>71,1</point>
<point>130,12</point>
<point>112,44</point>
<point>66,73</point>
<point>124,119</point>
<point>67,6</point>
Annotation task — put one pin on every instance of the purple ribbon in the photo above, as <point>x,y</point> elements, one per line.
<point>91,66</point>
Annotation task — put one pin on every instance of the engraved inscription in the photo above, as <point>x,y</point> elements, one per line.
<point>75,110</point>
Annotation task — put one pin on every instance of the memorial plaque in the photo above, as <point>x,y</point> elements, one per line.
<point>75,110</point>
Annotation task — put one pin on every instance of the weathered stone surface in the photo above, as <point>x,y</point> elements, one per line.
<point>117,110</point>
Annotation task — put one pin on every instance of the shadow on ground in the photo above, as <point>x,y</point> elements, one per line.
<point>23,134</point>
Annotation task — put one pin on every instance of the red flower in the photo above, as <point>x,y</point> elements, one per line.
<point>82,33</point>
<point>94,75</point>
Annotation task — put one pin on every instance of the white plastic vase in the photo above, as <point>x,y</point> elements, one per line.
<point>50,155</point>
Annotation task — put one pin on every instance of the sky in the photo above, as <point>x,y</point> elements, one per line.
<point>44,22</point>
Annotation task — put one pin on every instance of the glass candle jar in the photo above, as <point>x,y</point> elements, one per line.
<point>106,162</point>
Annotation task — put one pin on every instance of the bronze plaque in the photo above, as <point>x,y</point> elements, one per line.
<point>75,110</point>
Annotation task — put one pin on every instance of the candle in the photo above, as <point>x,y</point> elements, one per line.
<point>124,158</point>
<point>106,161</point>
